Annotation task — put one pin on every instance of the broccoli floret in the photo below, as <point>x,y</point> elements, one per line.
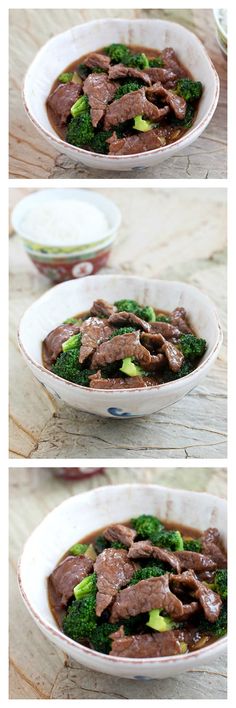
<point>100,639</point>
<point>172,540</point>
<point>184,371</point>
<point>80,106</point>
<point>185,122</point>
<point>65,77</point>
<point>118,53</point>
<point>150,571</point>
<point>72,320</point>
<point>122,330</point>
<point>78,549</point>
<point>118,544</point>
<point>189,89</point>
<point>98,70</point>
<point>100,544</point>
<point>67,367</point>
<point>138,61</point>
<point>99,142</point>
<point>193,545</point>
<point>143,125</point>
<point>146,313</point>
<point>216,629</point>
<point>110,370</point>
<point>130,368</point>
<point>220,583</point>
<point>159,623</point>
<point>80,620</point>
<point>191,346</point>
<point>162,318</point>
<point>83,71</point>
<point>147,526</point>
<point>158,61</point>
<point>80,130</point>
<point>87,586</point>
<point>73,342</point>
<point>127,88</point>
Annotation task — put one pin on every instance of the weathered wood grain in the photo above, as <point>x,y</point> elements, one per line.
<point>37,669</point>
<point>189,244</point>
<point>31,156</point>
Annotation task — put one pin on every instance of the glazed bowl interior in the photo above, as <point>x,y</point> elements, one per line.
<point>65,48</point>
<point>85,513</point>
<point>75,296</point>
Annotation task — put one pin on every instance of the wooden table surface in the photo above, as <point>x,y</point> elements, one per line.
<point>40,670</point>
<point>189,245</point>
<point>31,156</point>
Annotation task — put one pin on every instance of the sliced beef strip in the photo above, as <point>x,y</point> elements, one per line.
<point>163,75</point>
<point>135,144</point>
<point>150,339</point>
<point>142,646</point>
<point>195,561</point>
<point>172,63</point>
<point>121,533</point>
<point>94,60</point>
<point>120,347</point>
<point>122,319</point>
<point>100,91</point>
<point>174,356</point>
<point>62,99</point>
<point>166,329</point>
<point>96,381</point>
<point>189,610</point>
<point>145,596</point>
<point>93,331</point>
<point>209,600</point>
<point>177,103</point>
<point>145,549</point>
<point>130,105</point>
<point>68,574</point>
<point>211,545</point>
<point>52,345</point>
<point>179,319</point>
<point>102,308</point>
<point>114,570</point>
<point>119,71</point>
<point>157,362</point>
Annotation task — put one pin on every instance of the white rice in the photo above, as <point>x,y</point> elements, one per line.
<point>64,223</point>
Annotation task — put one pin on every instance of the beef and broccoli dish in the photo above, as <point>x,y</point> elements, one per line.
<point>142,589</point>
<point>123,346</point>
<point>124,100</point>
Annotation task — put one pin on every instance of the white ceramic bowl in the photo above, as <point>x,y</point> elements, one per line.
<point>84,513</point>
<point>67,299</point>
<point>65,48</point>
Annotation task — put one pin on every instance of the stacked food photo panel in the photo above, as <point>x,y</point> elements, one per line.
<point>117,462</point>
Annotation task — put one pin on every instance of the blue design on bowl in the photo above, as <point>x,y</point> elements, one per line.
<point>118,413</point>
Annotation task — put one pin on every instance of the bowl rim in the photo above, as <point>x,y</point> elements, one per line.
<point>216,14</point>
<point>177,383</point>
<point>56,632</point>
<point>110,233</point>
<point>182,141</point>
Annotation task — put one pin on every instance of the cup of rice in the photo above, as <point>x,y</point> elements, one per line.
<point>67,233</point>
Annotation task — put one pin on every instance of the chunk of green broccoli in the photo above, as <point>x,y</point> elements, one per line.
<point>149,571</point>
<point>220,583</point>
<point>67,367</point>
<point>143,124</point>
<point>65,77</point>
<point>99,142</point>
<point>80,106</point>
<point>118,53</point>
<point>130,368</point>
<point>100,639</point>
<point>194,544</point>
<point>146,313</point>
<point>83,71</point>
<point>138,60</point>
<point>122,330</point>
<point>191,346</point>
<point>72,320</point>
<point>158,61</point>
<point>186,369</point>
<point>218,628</point>
<point>80,130</point>
<point>172,540</point>
<point>87,586</point>
<point>78,549</point>
<point>189,89</point>
<point>98,70</point>
<point>72,343</point>
<point>162,318</point>
<point>127,88</point>
<point>110,370</point>
<point>118,544</point>
<point>100,544</point>
<point>185,122</point>
<point>159,622</point>
<point>80,620</point>
<point>147,526</point>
